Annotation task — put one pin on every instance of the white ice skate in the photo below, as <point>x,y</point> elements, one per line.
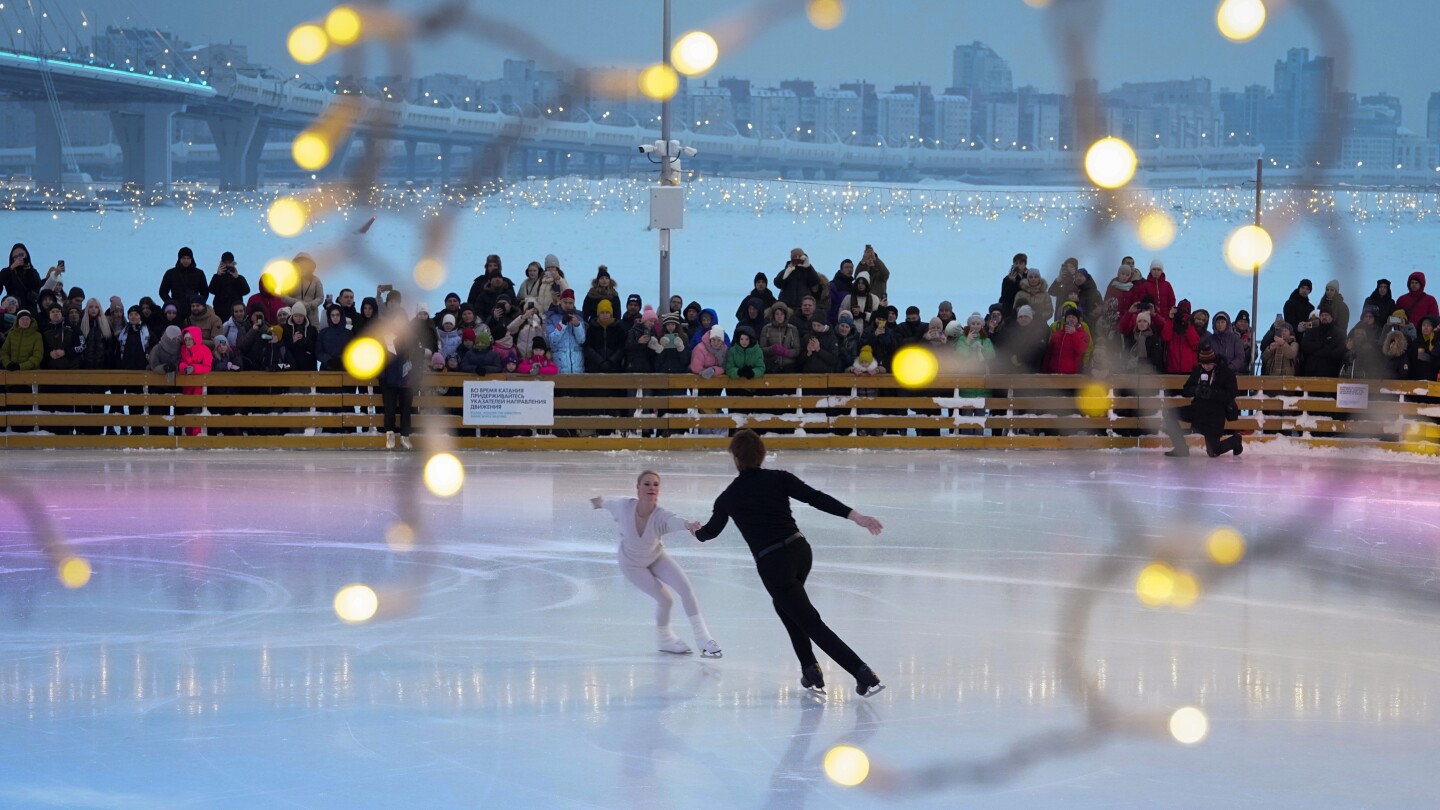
<point>389,440</point>
<point>670,643</point>
<point>405,442</point>
<point>711,649</point>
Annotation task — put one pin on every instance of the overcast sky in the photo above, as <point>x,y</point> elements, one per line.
<point>887,41</point>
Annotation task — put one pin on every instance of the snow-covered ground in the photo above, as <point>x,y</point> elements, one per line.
<point>945,242</point>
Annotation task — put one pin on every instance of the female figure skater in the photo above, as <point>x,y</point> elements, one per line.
<point>644,562</point>
<point>759,501</point>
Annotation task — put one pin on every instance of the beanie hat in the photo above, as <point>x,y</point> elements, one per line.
<point>1332,285</point>
<point>76,292</point>
<point>551,261</point>
<point>297,308</point>
<point>867,354</point>
<point>953,330</point>
<point>846,317</point>
<point>761,277</point>
<point>716,333</point>
<point>467,336</point>
<point>568,295</point>
<point>437,359</point>
<point>171,308</point>
<point>450,295</point>
<point>944,305</point>
<point>448,320</point>
<point>1399,316</point>
<point>197,298</point>
<point>1207,354</point>
<point>1156,264</point>
<point>483,340</point>
<point>282,314</point>
<point>1025,310</point>
<point>633,299</point>
<point>648,314</point>
<point>1305,282</point>
<point>1242,315</point>
<point>221,340</point>
<point>277,331</point>
<point>605,307</point>
<point>603,272</point>
<point>672,317</point>
<point>184,252</point>
<point>975,318</point>
<point>937,323</point>
<point>539,343</point>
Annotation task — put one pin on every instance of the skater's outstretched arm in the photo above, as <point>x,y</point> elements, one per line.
<point>719,519</point>
<point>803,492</point>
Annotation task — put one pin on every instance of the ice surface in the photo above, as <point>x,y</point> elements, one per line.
<point>719,251</point>
<point>512,666</point>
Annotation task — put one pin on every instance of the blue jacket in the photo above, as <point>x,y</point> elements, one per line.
<point>567,342</point>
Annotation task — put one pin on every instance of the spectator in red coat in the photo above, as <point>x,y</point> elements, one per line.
<point>1182,342</point>
<point>1068,345</point>
<point>1157,288</point>
<point>1416,303</point>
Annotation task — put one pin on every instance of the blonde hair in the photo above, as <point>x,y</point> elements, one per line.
<point>641,476</point>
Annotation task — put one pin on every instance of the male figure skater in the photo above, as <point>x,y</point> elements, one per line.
<point>759,502</point>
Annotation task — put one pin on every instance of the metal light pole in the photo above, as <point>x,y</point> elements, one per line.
<point>666,168</point>
<point>1255,277</point>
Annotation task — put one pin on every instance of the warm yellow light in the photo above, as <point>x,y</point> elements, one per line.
<point>1110,163</point>
<point>1419,438</point>
<point>1225,546</point>
<point>1240,20</point>
<point>846,765</point>
<point>429,273</point>
<point>1156,230</point>
<point>1247,248</point>
<point>695,53</point>
<point>659,82</point>
<point>311,151</point>
<point>1093,400</point>
<point>1156,584</point>
<point>364,358</point>
<point>308,43</point>
<point>343,25</point>
<point>444,475</point>
<point>1037,3</point>
<point>400,537</point>
<point>825,14</point>
<point>1186,591</point>
<point>356,604</point>
<point>280,277</point>
<point>288,216</point>
<point>914,366</point>
<point>74,572</point>
<point>1189,725</point>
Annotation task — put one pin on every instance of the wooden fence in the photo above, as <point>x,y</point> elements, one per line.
<point>656,411</point>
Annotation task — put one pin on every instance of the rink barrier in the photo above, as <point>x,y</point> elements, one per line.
<point>654,411</point>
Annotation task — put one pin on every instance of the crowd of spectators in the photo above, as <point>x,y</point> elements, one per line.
<point>796,320</point>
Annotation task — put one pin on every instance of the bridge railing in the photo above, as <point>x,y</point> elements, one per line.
<point>657,411</point>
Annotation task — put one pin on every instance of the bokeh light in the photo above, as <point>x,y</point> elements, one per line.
<point>1156,584</point>
<point>356,604</point>
<point>308,43</point>
<point>1156,230</point>
<point>311,151</point>
<point>825,14</point>
<point>1248,248</point>
<point>429,273</point>
<point>281,276</point>
<point>1094,400</point>
<point>288,216</point>
<point>1189,725</point>
<point>1110,163</point>
<point>1240,20</point>
<point>343,25</point>
<point>659,82</point>
<point>915,366</point>
<point>1037,3</point>
<point>400,537</point>
<point>74,572</point>
<point>695,53</point>
<point>1186,591</point>
<point>846,765</point>
<point>1225,546</point>
<point>364,358</point>
<point>444,475</point>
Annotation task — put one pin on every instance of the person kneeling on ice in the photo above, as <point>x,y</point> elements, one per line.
<point>1212,389</point>
<point>759,501</point>
<point>644,562</point>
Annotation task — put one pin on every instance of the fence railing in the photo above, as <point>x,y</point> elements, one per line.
<point>658,411</point>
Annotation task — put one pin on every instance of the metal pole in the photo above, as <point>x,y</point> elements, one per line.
<point>666,167</point>
<point>1255,277</point>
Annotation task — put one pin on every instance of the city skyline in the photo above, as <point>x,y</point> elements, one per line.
<point>1129,46</point>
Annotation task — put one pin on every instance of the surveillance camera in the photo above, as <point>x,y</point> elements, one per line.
<point>646,149</point>
<point>689,151</point>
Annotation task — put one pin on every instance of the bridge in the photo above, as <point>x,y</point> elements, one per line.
<point>243,112</point>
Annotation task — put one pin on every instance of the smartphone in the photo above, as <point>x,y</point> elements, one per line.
<point>61,264</point>
<point>386,287</point>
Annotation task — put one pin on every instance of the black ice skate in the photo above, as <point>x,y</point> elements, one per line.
<point>812,679</point>
<point>867,683</point>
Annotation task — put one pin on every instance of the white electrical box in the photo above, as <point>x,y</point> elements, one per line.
<point>667,207</point>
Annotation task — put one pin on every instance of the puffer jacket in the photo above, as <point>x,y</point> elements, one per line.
<point>22,347</point>
<point>567,343</point>
<point>196,359</point>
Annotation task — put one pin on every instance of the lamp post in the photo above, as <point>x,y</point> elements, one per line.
<point>668,175</point>
<point>1255,277</point>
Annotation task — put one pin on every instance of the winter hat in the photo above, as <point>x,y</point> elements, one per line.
<point>953,330</point>
<point>483,340</point>
<point>603,272</point>
<point>633,299</point>
<point>1242,315</point>
<point>716,333</point>
<point>672,317</point>
<point>1207,354</point>
<point>1025,310</point>
<point>197,298</point>
<point>184,252</point>
<point>1305,282</point>
<point>912,311</point>
<point>227,257</point>
<point>221,340</point>
<point>605,307</point>
<point>539,343</point>
<point>568,294</point>
<point>448,320</point>
<point>282,314</point>
<point>1399,316</point>
<point>551,261</point>
<point>172,308</point>
<point>975,320</point>
<point>648,314</point>
<point>846,317</point>
<point>298,308</point>
<point>465,307</point>
<point>451,295</point>
<point>867,354</point>
<point>1143,317</point>
<point>863,275</point>
<point>762,277</point>
<point>467,336</point>
<point>76,292</point>
<point>1156,264</point>
<point>276,332</point>
<point>437,359</point>
<point>937,323</point>
<point>1332,286</point>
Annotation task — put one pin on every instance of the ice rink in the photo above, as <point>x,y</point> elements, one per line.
<point>510,665</point>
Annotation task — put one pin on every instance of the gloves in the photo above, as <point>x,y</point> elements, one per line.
<point>747,372</point>
<point>13,367</point>
<point>189,369</point>
<point>707,373</point>
<point>169,368</point>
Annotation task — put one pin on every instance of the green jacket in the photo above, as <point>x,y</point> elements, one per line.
<point>739,358</point>
<point>23,347</point>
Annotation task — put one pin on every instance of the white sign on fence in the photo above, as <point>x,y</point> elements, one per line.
<point>1353,395</point>
<point>517,404</point>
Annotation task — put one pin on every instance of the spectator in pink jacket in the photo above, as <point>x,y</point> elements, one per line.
<point>708,357</point>
<point>539,362</point>
<point>195,358</point>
